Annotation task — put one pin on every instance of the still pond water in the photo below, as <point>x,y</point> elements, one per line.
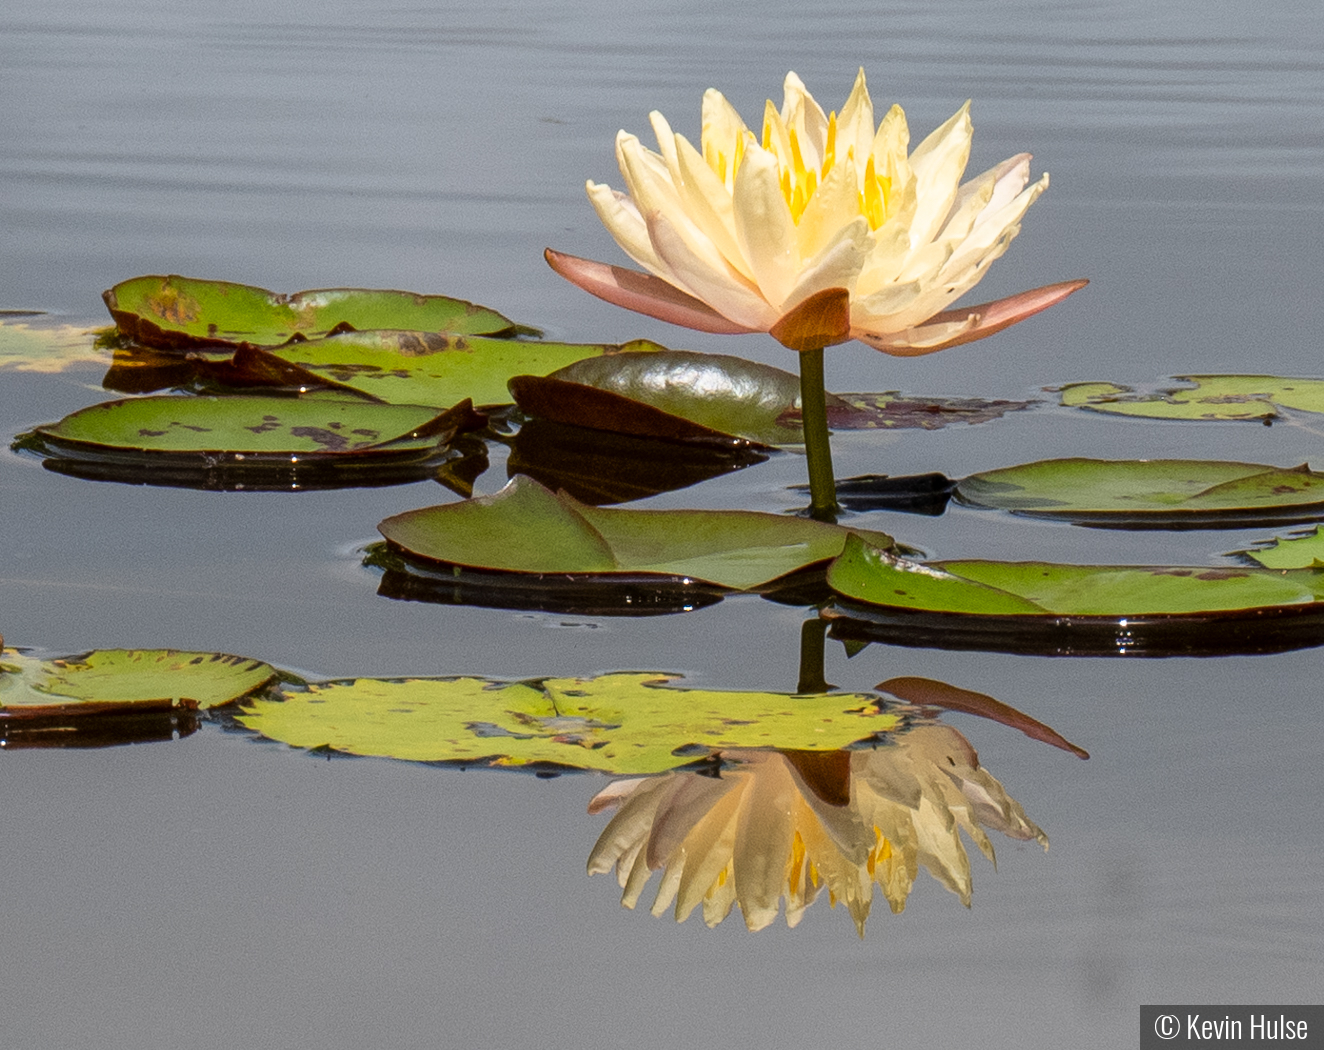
<point>217,892</point>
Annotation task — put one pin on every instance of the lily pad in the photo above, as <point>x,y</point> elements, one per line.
<point>1158,493</point>
<point>173,313</point>
<point>1041,588</point>
<point>721,398</point>
<point>1210,397</point>
<point>119,680</point>
<point>631,724</point>
<point>1304,551</point>
<point>422,368</point>
<point>1038,607</point>
<point>526,528</point>
<point>248,427</point>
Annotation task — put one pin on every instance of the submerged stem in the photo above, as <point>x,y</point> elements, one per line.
<point>813,412</point>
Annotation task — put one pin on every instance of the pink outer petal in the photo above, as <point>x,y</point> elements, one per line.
<point>641,292</point>
<point>990,318</point>
<point>927,692</point>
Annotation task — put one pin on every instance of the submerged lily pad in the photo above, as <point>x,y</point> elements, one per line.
<point>32,342</point>
<point>631,724</point>
<point>1158,493</point>
<point>720,398</point>
<point>171,312</point>
<point>120,680</point>
<point>526,528</point>
<point>1210,397</point>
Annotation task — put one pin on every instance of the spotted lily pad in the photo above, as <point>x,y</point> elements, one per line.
<point>526,528</point>
<point>258,427</point>
<point>121,680</point>
<point>1209,397</point>
<point>173,313</point>
<point>632,724</point>
<point>1158,493</point>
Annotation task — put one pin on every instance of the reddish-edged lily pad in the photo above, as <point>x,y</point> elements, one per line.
<point>176,313</point>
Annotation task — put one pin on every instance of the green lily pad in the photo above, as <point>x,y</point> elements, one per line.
<point>1303,551</point>
<point>36,343</point>
<point>182,313</point>
<point>1030,589</point>
<point>631,724</point>
<point>527,528</point>
<point>122,680</point>
<point>422,368</point>
<point>1210,397</point>
<point>1169,493</point>
<point>255,427</point>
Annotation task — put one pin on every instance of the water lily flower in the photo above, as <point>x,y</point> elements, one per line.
<point>777,826</point>
<point>823,228</point>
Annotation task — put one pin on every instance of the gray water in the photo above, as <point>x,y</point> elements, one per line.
<point>214,891</point>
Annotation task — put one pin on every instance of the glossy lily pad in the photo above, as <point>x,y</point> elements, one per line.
<point>633,724</point>
<point>720,398</point>
<point>1303,551</point>
<point>526,528</point>
<point>120,680</point>
<point>1210,397</point>
<point>171,312</point>
<point>1158,493</point>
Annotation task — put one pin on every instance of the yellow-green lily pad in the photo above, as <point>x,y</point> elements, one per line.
<point>630,723</point>
<point>122,680</point>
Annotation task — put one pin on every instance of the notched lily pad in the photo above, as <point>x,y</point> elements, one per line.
<point>1157,493</point>
<point>1074,609</point>
<point>175,313</point>
<point>1209,397</point>
<point>1300,551</point>
<point>633,723</point>
<point>526,528</point>
<point>110,681</point>
<point>166,440</point>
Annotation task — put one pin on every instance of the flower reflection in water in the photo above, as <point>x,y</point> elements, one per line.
<point>773,825</point>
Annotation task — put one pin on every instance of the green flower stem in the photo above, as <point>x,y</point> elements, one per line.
<point>813,647</point>
<point>813,410</point>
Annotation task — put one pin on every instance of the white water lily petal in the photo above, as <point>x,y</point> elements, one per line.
<point>806,118</point>
<point>623,221</point>
<point>723,137</point>
<point>938,162</point>
<point>855,127</point>
<point>710,204</point>
<point>836,266</point>
<point>764,227</point>
<point>723,289</point>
